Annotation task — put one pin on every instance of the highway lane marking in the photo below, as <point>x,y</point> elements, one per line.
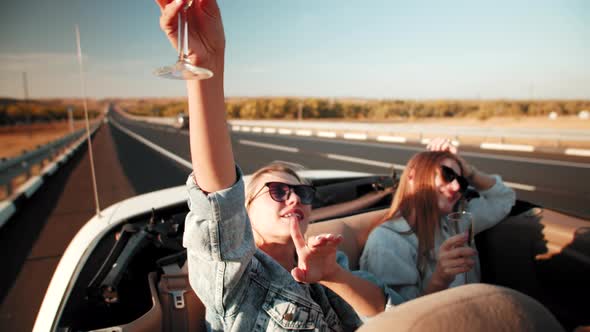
<point>362,161</point>
<point>326,134</point>
<point>578,152</point>
<point>188,165</point>
<point>355,136</point>
<point>508,147</point>
<point>269,146</point>
<point>463,153</point>
<point>150,144</point>
<point>303,132</point>
<point>391,139</point>
<point>402,167</point>
<point>284,131</point>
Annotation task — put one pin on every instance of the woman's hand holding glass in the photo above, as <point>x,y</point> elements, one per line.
<point>204,33</point>
<point>454,257</point>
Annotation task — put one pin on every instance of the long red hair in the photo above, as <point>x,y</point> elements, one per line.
<point>421,202</point>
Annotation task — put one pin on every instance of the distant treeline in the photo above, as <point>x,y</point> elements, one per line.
<point>322,108</point>
<point>17,111</point>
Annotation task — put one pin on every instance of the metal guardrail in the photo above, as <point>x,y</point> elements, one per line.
<point>25,164</point>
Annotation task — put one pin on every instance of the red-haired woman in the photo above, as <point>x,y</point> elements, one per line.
<point>416,251</point>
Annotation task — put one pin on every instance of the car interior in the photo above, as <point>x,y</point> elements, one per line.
<point>136,278</point>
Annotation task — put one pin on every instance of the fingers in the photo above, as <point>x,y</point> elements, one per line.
<point>457,253</point>
<point>162,4</point>
<point>441,144</point>
<point>458,264</point>
<point>458,240</point>
<point>298,274</point>
<point>169,18</point>
<point>297,237</point>
<point>457,270</point>
<point>324,240</point>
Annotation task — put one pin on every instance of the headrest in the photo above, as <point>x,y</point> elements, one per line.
<point>474,307</point>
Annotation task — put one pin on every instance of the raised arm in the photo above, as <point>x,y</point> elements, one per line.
<point>211,151</point>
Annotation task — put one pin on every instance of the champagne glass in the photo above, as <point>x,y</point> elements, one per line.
<point>183,69</point>
<point>462,222</point>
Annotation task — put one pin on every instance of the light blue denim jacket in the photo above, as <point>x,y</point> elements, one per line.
<point>391,251</point>
<point>243,288</point>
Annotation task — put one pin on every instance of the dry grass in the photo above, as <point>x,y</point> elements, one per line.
<point>16,139</point>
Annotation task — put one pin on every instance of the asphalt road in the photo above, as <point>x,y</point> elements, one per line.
<point>554,182</point>
<point>34,239</point>
<point>38,234</point>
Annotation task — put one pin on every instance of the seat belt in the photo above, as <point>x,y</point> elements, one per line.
<point>182,310</point>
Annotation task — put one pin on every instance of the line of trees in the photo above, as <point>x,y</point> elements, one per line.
<point>19,111</point>
<point>15,111</point>
<point>322,108</point>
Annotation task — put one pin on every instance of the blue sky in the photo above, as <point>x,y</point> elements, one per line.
<point>374,49</point>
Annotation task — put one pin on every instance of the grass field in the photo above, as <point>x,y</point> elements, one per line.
<point>16,139</point>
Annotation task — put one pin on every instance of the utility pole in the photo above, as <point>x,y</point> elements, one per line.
<point>25,86</point>
<point>71,119</point>
<point>26,102</point>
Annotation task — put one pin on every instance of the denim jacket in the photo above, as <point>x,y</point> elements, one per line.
<point>242,287</point>
<point>391,251</point>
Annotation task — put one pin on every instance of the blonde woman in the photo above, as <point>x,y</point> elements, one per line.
<point>248,260</point>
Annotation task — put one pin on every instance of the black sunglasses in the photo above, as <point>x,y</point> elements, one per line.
<point>281,192</point>
<point>449,175</point>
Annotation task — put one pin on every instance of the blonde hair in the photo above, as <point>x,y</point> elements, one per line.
<point>274,167</point>
<point>421,203</point>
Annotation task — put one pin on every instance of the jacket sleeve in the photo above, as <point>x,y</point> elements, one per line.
<point>219,243</point>
<point>492,206</point>
<point>393,261</point>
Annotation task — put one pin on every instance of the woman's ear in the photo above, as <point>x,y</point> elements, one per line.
<point>411,175</point>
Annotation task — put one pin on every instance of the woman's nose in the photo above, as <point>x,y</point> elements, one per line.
<point>293,198</point>
<point>455,186</point>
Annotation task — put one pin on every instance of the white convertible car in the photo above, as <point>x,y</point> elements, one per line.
<point>123,271</point>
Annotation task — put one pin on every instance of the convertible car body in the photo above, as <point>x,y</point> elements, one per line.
<point>118,273</point>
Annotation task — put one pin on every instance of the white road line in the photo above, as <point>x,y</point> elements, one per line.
<point>270,130</point>
<point>303,132</point>
<point>402,167</point>
<point>284,131</point>
<point>327,134</point>
<point>269,146</point>
<point>527,160</point>
<point>256,130</point>
<point>507,147</point>
<point>363,161</point>
<point>391,139</point>
<point>520,186</point>
<point>246,129</point>
<point>467,153</point>
<point>235,128</point>
<point>355,136</point>
<point>150,144</point>
<point>578,152</point>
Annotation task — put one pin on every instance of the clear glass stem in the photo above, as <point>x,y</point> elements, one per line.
<point>181,34</point>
